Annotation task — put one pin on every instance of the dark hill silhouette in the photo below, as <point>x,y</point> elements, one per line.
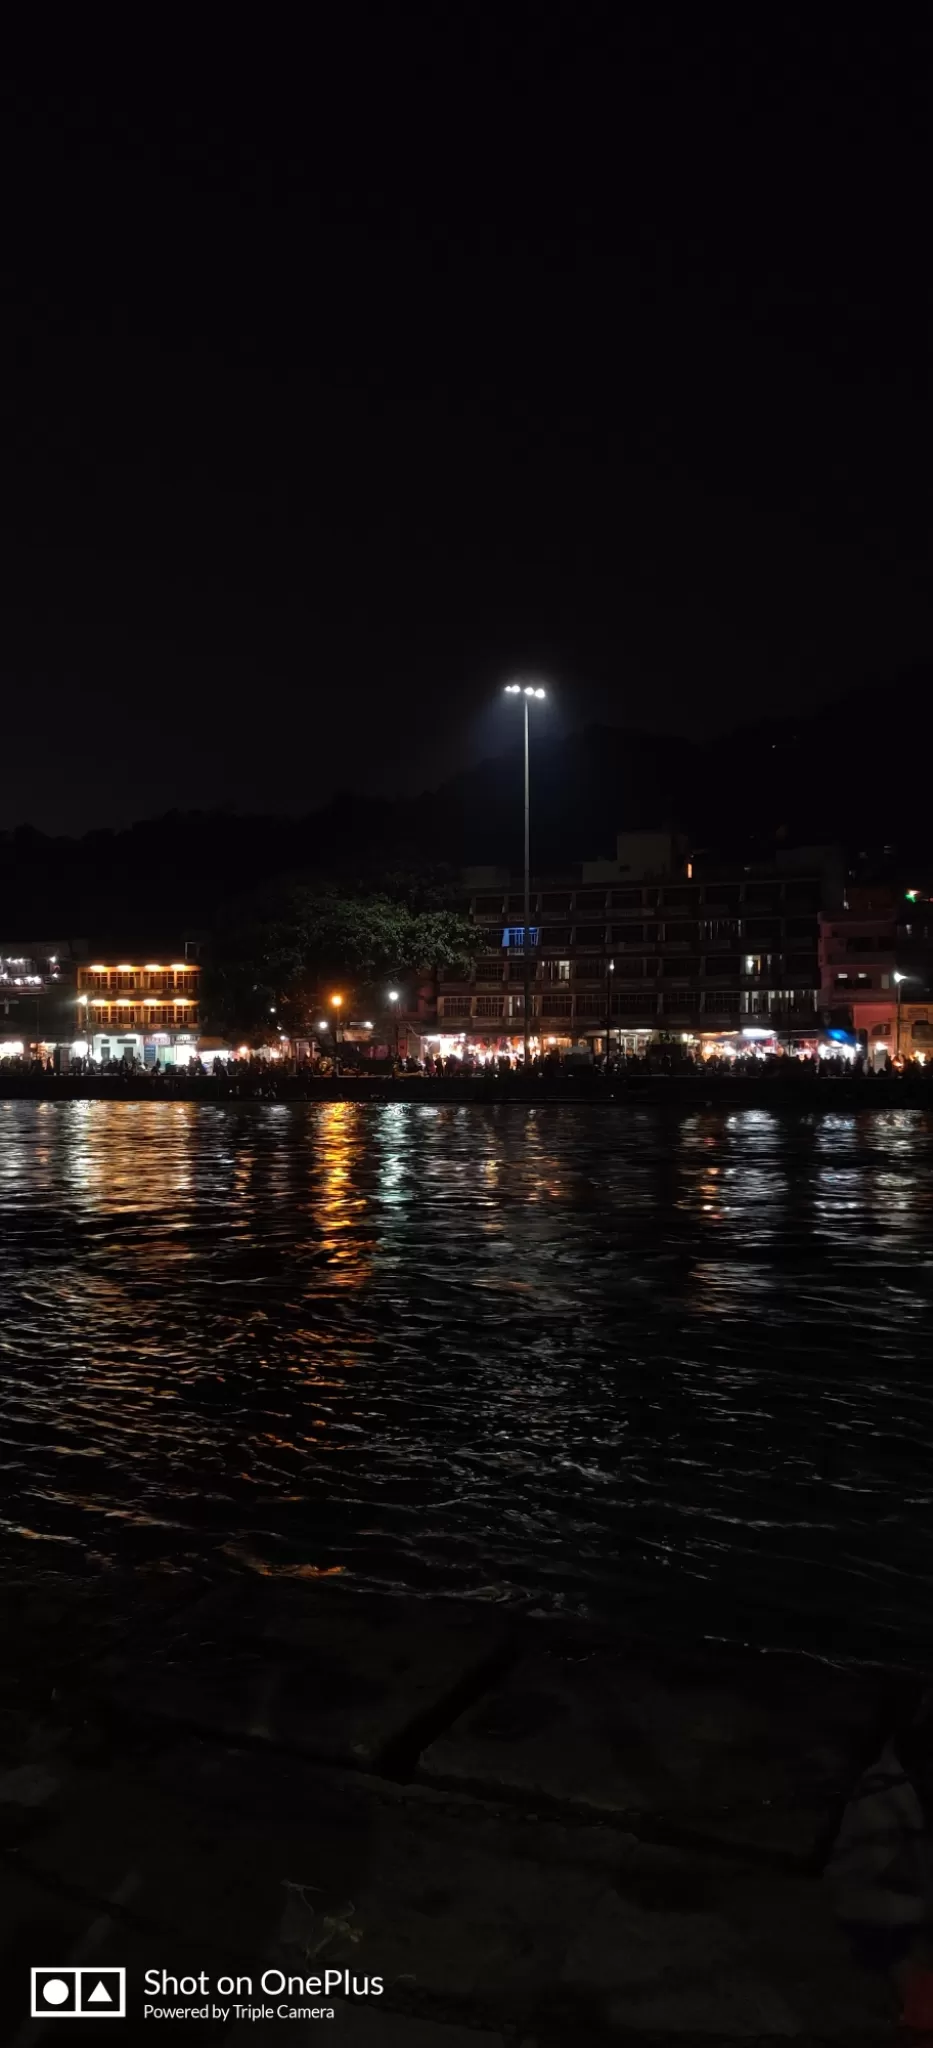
<point>858,770</point>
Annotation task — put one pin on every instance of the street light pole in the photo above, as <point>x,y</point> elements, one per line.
<point>528,690</point>
<point>610,970</point>
<point>526,935</point>
<point>898,978</point>
<point>335,1003</point>
<point>393,998</point>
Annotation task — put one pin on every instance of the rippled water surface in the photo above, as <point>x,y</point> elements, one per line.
<point>676,1366</point>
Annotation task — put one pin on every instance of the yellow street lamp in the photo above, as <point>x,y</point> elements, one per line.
<point>336,1005</point>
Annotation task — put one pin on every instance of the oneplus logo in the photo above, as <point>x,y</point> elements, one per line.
<point>78,1994</point>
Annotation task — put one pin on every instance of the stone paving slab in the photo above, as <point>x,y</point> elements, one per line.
<point>474,1917</point>
<point>751,1750</point>
<point>42,1924</point>
<point>338,1676</point>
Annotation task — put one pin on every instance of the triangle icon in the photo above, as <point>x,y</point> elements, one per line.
<point>99,1996</point>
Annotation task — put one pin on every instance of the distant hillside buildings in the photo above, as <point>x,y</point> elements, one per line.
<point>660,944</point>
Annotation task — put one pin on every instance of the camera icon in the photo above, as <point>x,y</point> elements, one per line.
<point>78,1993</point>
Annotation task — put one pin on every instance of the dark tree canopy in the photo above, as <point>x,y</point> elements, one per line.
<point>286,951</point>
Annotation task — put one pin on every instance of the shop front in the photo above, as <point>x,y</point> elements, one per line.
<point>488,1048</point>
<point>138,1048</point>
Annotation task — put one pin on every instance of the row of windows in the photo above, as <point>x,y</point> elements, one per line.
<point>676,966</point>
<point>796,895</point>
<point>153,1016</point>
<point>635,1002</point>
<point>674,931</point>
<point>160,980</point>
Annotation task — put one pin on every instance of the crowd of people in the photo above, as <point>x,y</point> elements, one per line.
<point>256,1075</point>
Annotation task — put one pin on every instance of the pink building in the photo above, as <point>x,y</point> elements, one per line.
<point>862,949</point>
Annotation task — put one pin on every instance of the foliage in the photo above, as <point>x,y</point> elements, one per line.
<point>282,954</point>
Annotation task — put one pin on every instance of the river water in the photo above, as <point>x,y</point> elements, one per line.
<point>674,1368</point>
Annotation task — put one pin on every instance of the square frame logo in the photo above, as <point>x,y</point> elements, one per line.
<point>78,1992</point>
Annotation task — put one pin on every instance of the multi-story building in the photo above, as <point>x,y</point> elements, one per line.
<point>876,964</point>
<point>37,985</point>
<point>148,1012</point>
<point>652,944</point>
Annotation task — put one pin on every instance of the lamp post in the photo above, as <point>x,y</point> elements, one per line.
<point>336,1002</point>
<point>610,970</point>
<point>526,691</point>
<point>393,998</point>
<point>898,978</point>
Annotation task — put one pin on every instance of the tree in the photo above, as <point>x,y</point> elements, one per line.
<point>279,956</point>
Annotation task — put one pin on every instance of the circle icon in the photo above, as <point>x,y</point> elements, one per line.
<point>55,1991</point>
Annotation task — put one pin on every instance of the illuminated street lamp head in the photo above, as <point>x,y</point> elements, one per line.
<point>323,1024</point>
<point>393,995</point>
<point>512,689</point>
<point>901,977</point>
<point>525,690</point>
<point>337,1002</point>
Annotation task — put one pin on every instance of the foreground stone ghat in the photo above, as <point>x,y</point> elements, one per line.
<point>532,1832</point>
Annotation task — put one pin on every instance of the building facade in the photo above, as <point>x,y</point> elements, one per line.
<point>684,949</point>
<point>876,966</point>
<point>149,1012</point>
<point>37,985</point>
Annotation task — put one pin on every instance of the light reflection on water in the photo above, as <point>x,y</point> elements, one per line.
<point>673,1366</point>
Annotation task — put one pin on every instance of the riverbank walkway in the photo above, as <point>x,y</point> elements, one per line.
<point>533,1832</point>
<point>589,1087</point>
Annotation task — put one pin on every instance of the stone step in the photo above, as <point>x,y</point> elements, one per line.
<point>472,1917</point>
<point>350,1678</point>
<point>747,1750</point>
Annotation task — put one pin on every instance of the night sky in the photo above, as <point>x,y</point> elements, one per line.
<point>342,375</point>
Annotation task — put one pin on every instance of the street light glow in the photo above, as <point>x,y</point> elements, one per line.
<point>393,995</point>
<point>902,977</point>
<point>337,1001</point>
<point>527,690</point>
